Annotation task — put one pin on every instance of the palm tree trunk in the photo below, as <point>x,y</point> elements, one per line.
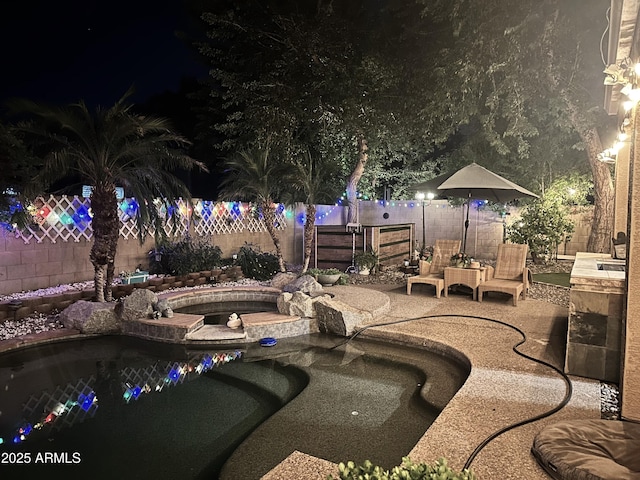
<point>105,225</point>
<point>269,218</point>
<point>98,281</point>
<point>309,225</point>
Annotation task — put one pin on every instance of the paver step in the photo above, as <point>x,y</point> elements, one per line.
<point>216,332</point>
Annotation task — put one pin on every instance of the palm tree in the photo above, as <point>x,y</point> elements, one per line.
<point>311,181</point>
<point>108,148</point>
<point>252,175</point>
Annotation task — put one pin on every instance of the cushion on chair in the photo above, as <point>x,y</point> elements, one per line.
<point>589,450</point>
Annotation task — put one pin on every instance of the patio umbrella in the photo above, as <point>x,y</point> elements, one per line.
<point>473,182</point>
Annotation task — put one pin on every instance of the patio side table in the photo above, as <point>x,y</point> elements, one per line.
<point>471,277</point>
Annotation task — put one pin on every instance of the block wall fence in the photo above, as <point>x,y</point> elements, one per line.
<point>33,264</point>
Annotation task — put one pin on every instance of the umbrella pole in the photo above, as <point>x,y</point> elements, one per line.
<point>466,225</point>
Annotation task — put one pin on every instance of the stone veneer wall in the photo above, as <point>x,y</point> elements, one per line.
<point>594,336</point>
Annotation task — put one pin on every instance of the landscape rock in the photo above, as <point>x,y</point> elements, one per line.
<point>137,305</point>
<point>281,279</point>
<point>305,284</point>
<point>163,307</point>
<point>337,318</point>
<point>91,317</point>
<point>298,304</point>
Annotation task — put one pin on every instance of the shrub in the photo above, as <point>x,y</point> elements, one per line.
<point>185,256</point>
<point>256,264</point>
<point>542,226</point>
<point>407,470</point>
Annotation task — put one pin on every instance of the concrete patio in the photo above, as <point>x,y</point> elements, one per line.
<point>503,388</point>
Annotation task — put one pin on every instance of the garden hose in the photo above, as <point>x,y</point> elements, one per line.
<point>485,442</point>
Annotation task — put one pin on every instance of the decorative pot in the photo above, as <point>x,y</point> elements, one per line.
<point>328,279</point>
<point>364,271</point>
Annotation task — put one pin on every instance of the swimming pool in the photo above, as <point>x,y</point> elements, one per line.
<point>117,407</point>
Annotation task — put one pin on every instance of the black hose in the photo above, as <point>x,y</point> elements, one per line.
<point>486,441</point>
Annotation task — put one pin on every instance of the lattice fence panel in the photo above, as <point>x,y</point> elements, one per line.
<point>58,218</point>
<point>255,221</point>
<point>227,217</point>
<point>204,220</point>
<point>69,219</point>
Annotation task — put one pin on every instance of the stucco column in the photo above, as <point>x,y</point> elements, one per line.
<point>630,382</point>
<point>621,203</point>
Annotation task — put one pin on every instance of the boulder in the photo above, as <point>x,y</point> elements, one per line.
<point>91,317</point>
<point>338,318</point>
<point>163,308</point>
<point>305,284</point>
<point>281,279</point>
<point>137,305</point>
<point>297,304</point>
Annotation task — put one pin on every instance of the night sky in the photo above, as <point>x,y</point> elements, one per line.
<point>64,51</point>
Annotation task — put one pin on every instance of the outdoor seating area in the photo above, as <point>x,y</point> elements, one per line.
<point>432,273</point>
<point>510,274</point>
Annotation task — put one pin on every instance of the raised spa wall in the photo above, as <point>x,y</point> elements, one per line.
<point>595,326</point>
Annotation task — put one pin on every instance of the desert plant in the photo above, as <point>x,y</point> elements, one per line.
<point>185,256</point>
<point>366,258</point>
<point>343,280</point>
<point>407,470</point>
<point>256,264</point>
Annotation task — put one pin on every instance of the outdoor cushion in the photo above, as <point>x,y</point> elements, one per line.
<point>589,450</point>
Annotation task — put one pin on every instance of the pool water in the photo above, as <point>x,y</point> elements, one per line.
<point>117,407</point>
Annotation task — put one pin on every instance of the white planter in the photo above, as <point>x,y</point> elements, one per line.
<point>363,271</point>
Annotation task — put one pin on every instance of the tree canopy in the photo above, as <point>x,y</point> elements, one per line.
<point>395,92</point>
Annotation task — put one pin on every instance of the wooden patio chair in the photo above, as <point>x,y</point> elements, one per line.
<point>510,275</point>
<point>433,273</point>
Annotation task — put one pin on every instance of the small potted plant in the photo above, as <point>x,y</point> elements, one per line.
<point>460,260</point>
<point>325,276</point>
<point>365,261</point>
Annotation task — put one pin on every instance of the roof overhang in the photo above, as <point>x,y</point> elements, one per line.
<point>623,19</point>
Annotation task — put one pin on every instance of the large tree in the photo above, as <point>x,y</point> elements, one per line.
<point>106,148</point>
<point>334,77</point>
<point>527,74</point>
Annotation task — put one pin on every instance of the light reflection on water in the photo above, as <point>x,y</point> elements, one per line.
<point>136,407</point>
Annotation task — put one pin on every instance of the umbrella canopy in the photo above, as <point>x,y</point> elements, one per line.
<point>473,182</point>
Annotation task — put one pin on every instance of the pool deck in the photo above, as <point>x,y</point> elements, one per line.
<point>503,388</point>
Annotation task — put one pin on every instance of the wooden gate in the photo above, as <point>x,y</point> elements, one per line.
<point>334,245</point>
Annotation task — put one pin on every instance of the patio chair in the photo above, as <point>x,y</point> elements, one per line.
<point>510,275</point>
<point>433,273</point>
